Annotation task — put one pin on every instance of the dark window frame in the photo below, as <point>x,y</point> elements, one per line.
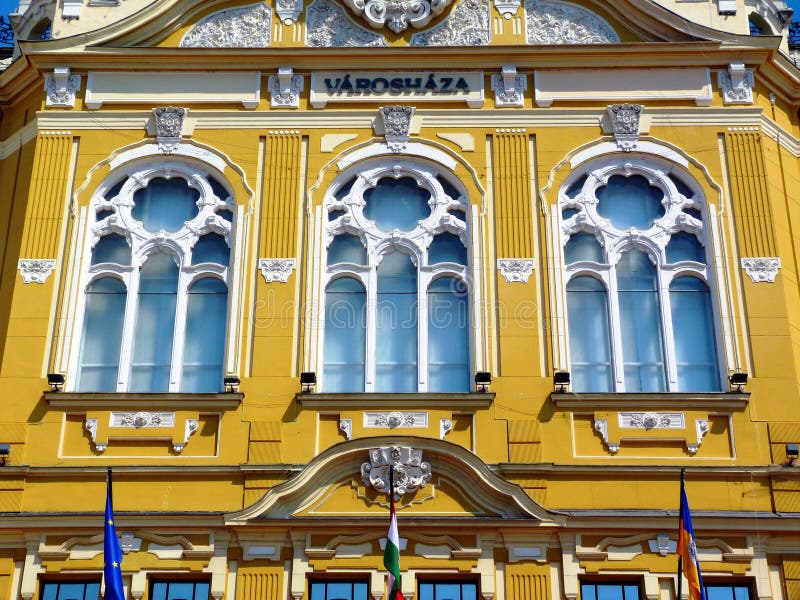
<point>448,580</point>
<point>177,578</point>
<point>72,579</point>
<point>340,578</point>
<point>620,581</point>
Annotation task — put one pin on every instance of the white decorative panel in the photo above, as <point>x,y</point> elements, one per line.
<point>395,419</point>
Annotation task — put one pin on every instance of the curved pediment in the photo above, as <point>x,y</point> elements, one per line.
<point>332,485</point>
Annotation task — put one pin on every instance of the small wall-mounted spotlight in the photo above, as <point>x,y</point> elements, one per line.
<point>483,379</point>
<point>5,452</point>
<point>308,381</point>
<point>792,451</point>
<point>231,383</point>
<point>561,380</point>
<point>737,381</point>
<point>55,381</point>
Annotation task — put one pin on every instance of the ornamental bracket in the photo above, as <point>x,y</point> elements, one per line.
<point>285,88</point>
<point>61,87</point>
<point>397,126</point>
<point>169,127</point>
<point>509,87</point>
<point>410,471</point>
<point>625,120</point>
<point>736,84</point>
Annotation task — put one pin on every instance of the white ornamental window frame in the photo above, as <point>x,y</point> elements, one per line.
<point>652,242</point>
<point>178,245</point>
<point>378,244</point>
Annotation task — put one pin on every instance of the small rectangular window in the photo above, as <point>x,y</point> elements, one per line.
<point>448,590</point>
<point>338,590</point>
<point>179,590</point>
<point>610,590</point>
<point>728,591</point>
<point>70,590</point>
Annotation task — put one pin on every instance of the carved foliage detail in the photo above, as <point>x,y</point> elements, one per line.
<point>467,25</point>
<point>410,472</point>
<point>61,87</point>
<point>397,126</point>
<point>328,26</point>
<point>395,15</point>
<point>245,27</point>
<point>35,270</point>
<point>551,22</point>
<point>761,270</point>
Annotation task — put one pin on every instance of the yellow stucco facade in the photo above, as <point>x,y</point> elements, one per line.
<point>514,127</point>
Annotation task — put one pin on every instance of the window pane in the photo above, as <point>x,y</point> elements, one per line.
<point>447,247</point>
<point>609,591</point>
<point>112,248</point>
<point>685,246</point>
<point>102,331</point>
<point>448,188</point>
<point>155,324</point>
<point>630,202</point>
<point>218,189</point>
<point>347,248</point>
<point>204,347</point>
<point>179,590</point>
<point>448,336</point>
<point>211,248</point>
<point>640,323</point>
<point>693,332</point>
<point>396,325</point>
<point>70,590</point>
<point>590,347</point>
<point>583,246</point>
<point>446,590</point>
<point>115,189</point>
<point>682,187</point>
<point>344,350</point>
<point>396,204</point>
<point>165,204</point>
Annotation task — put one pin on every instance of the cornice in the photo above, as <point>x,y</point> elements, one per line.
<point>18,139</point>
<point>648,401</point>
<point>142,401</point>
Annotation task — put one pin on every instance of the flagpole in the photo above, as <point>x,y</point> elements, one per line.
<point>391,595</point>
<point>680,528</point>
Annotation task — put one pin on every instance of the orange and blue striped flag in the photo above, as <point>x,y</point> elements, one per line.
<point>687,552</point>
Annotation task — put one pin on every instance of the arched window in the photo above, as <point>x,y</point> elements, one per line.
<point>639,307</point>
<point>396,300</point>
<point>156,298</point>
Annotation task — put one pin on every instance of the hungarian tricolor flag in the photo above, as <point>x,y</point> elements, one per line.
<point>391,554</point>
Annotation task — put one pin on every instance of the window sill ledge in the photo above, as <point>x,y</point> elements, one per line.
<point>458,401</point>
<point>640,401</point>
<point>142,401</point>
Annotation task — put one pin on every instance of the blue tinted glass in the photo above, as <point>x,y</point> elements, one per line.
<point>576,187</point>
<point>447,247</point>
<point>448,336</point>
<point>155,323</point>
<point>317,591</point>
<point>204,346</point>
<point>694,213</point>
<point>165,204</point>
<point>159,591</point>
<point>344,351</point>
<point>396,204</point>
<point>448,591</point>
<point>583,246</point>
<point>201,590</point>
<point>681,186</point>
<point>211,248</point>
<point>225,214</point>
<point>103,214</point>
<point>693,332</point>
<point>335,214</point>
<point>92,591</point>
<point>569,212</point>
<point>360,591</point>
<point>630,202</point>
<point>426,591</point>
<point>347,248</point>
<point>721,593</point>
<point>344,190</point>
<point>102,331</point>
<point>640,324</point>
<point>218,189</point>
<point>631,592</point>
<point>396,325</point>
<point>114,189</point>
<point>340,590</point>
<point>589,341</point>
<point>685,246</point>
<point>112,248</point>
<point>448,188</point>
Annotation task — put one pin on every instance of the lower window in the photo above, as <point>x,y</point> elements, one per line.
<point>448,590</point>
<point>338,590</point>
<point>70,590</point>
<point>727,591</point>
<point>179,590</point>
<point>609,591</point>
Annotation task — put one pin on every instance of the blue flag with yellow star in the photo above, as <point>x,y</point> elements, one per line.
<point>112,552</point>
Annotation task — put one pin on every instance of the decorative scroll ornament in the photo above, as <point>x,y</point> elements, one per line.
<point>736,84</point>
<point>189,429</point>
<point>397,15</point>
<point>289,10</point>
<point>244,27</point>
<point>395,419</point>
<point>516,269</point>
<point>276,269</point>
<point>550,22</point>
<point>328,26</point>
<point>761,270</point>
<point>142,419</point>
<point>346,427</point>
<point>61,87</point>
<point>169,127</point>
<point>507,8</point>
<point>91,427</point>
<point>701,427</point>
<point>467,25</point>
<point>397,126</point>
<point>285,88</point>
<point>35,270</point>
<point>625,119</point>
<point>601,427</point>
<point>652,420</point>
<point>410,472</point>
<point>509,87</point>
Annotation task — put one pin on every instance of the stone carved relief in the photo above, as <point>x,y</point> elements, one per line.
<point>328,26</point>
<point>276,269</point>
<point>288,10</point>
<point>625,120</point>
<point>91,426</point>
<point>736,84</point>
<point>169,127</point>
<point>410,472</point>
<point>397,126</point>
<point>285,88</point>
<point>516,269</point>
<point>397,16</point>
<point>346,427</point>
<point>244,27</point>
<point>142,419</point>
<point>550,22</point>
<point>652,420</point>
<point>189,429</point>
<point>395,419</point>
<point>467,25</point>
<point>35,270</point>
<point>61,87</point>
<point>509,87</point>
<point>507,8</point>
<point>761,270</point>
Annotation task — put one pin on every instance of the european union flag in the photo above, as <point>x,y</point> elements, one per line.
<point>112,552</point>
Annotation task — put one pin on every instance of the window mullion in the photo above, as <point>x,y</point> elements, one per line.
<point>131,307</point>
<point>423,281</point>
<point>617,359</point>
<point>372,306</point>
<point>667,328</point>
<point>176,364</point>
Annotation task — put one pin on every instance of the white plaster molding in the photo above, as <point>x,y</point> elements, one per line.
<point>467,25</point>
<point>507,8</point>
<point>328,26</point>
<point>35,270</point>
<point>395,419</point>
<point>625,119</point>
<point>346,426</point>
<point>330,141</point>
<point>91,426</point>
<point>526,553</point>
<point>71,9</point>
<point>412,149</point>
<point>189,429</point>
<point>726,7</point>
<point>241,27</point>
<point>509,87</point>
<point>397,16</point>
<point>701,427</point>
<point>32,567</point>
<point>552,22</point>
<point>651,420</point>
<point>601,427</point>
<point>516,269</point>
<point>288,11</point>
<point>183,150</point>
<point>129,542</point>
<point>662,545</point>
<point>397,126</point>
<point>465,141</point>
<point>736,84</point>
<point>285,88</point>
<point>411,472</point>
<point>142,419</point>
<point>276,269</point>
<point>645,147</point>
<point>445,427</point>
<point>762,270</point>
<point>61,87</point>
<point>300,566</point>
<point>169,127</point>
